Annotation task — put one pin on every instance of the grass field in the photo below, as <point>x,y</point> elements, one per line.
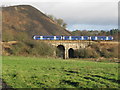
<point>32,72</point>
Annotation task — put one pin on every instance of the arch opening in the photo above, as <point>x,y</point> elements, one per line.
<point>60,52</point>
<point>71,53</point>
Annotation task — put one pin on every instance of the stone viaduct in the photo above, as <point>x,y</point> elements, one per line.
<point>67,47</point>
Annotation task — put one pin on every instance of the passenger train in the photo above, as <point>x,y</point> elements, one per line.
<point>38,37</point>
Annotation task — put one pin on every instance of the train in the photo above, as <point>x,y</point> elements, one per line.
<point>39,37</point>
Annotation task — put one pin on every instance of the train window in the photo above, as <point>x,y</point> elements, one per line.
<point>104,38</point>
<point>99,38</point>
<point>80,38</point>
<point>110,38</point>
<point>85,37</point>
<point>58,37</point>
<point>66,37</point>
<point>92,37</point>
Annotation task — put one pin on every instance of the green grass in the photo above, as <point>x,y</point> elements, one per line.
<point>32,72</point>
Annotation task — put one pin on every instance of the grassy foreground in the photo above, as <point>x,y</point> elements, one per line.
<point>31,72</point>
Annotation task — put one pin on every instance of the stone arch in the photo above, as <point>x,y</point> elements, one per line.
<point>71,53</point>
<point>60,52</point>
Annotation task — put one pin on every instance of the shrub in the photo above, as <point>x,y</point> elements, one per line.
<point>113,52</point>
<point>7,35</point>
<point>41,49</point>
<point>96,47</point>
<point>32,48</point>
<point>104,53</point>
<point>91,53</point>
<point>22,38</point>
<point>86,53</point>
<point>20,49</point>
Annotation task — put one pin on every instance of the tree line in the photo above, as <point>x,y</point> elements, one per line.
<point>113,32</point>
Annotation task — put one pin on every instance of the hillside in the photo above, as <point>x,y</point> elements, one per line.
<point>25,20</point>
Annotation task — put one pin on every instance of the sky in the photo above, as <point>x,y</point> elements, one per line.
<point>78,14</point>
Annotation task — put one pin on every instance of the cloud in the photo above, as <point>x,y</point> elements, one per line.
<point>83,13</point>
<point>91,27</point>
<point>98,14</point>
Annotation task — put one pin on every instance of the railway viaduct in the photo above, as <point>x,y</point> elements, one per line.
<point>67,47</point>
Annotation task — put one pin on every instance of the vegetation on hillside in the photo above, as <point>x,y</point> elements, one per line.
<point>20,21</point>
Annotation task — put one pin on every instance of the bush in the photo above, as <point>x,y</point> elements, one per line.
<point>20,49</point>
<point>113,52</point>
<point>109,53</point>
<point>22,38</point>
<point>91,53</point>
<point>86,53</point>
<point>7,35</point>
<point>79,53</point>
<point>42,49</point>
<point>104,53</point>
<point>32,48</point>
<point>96,47</point>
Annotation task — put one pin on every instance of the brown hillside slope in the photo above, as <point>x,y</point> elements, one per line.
<point>25,19</point>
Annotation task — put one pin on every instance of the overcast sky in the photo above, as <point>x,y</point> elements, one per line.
<point>78,14</point>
